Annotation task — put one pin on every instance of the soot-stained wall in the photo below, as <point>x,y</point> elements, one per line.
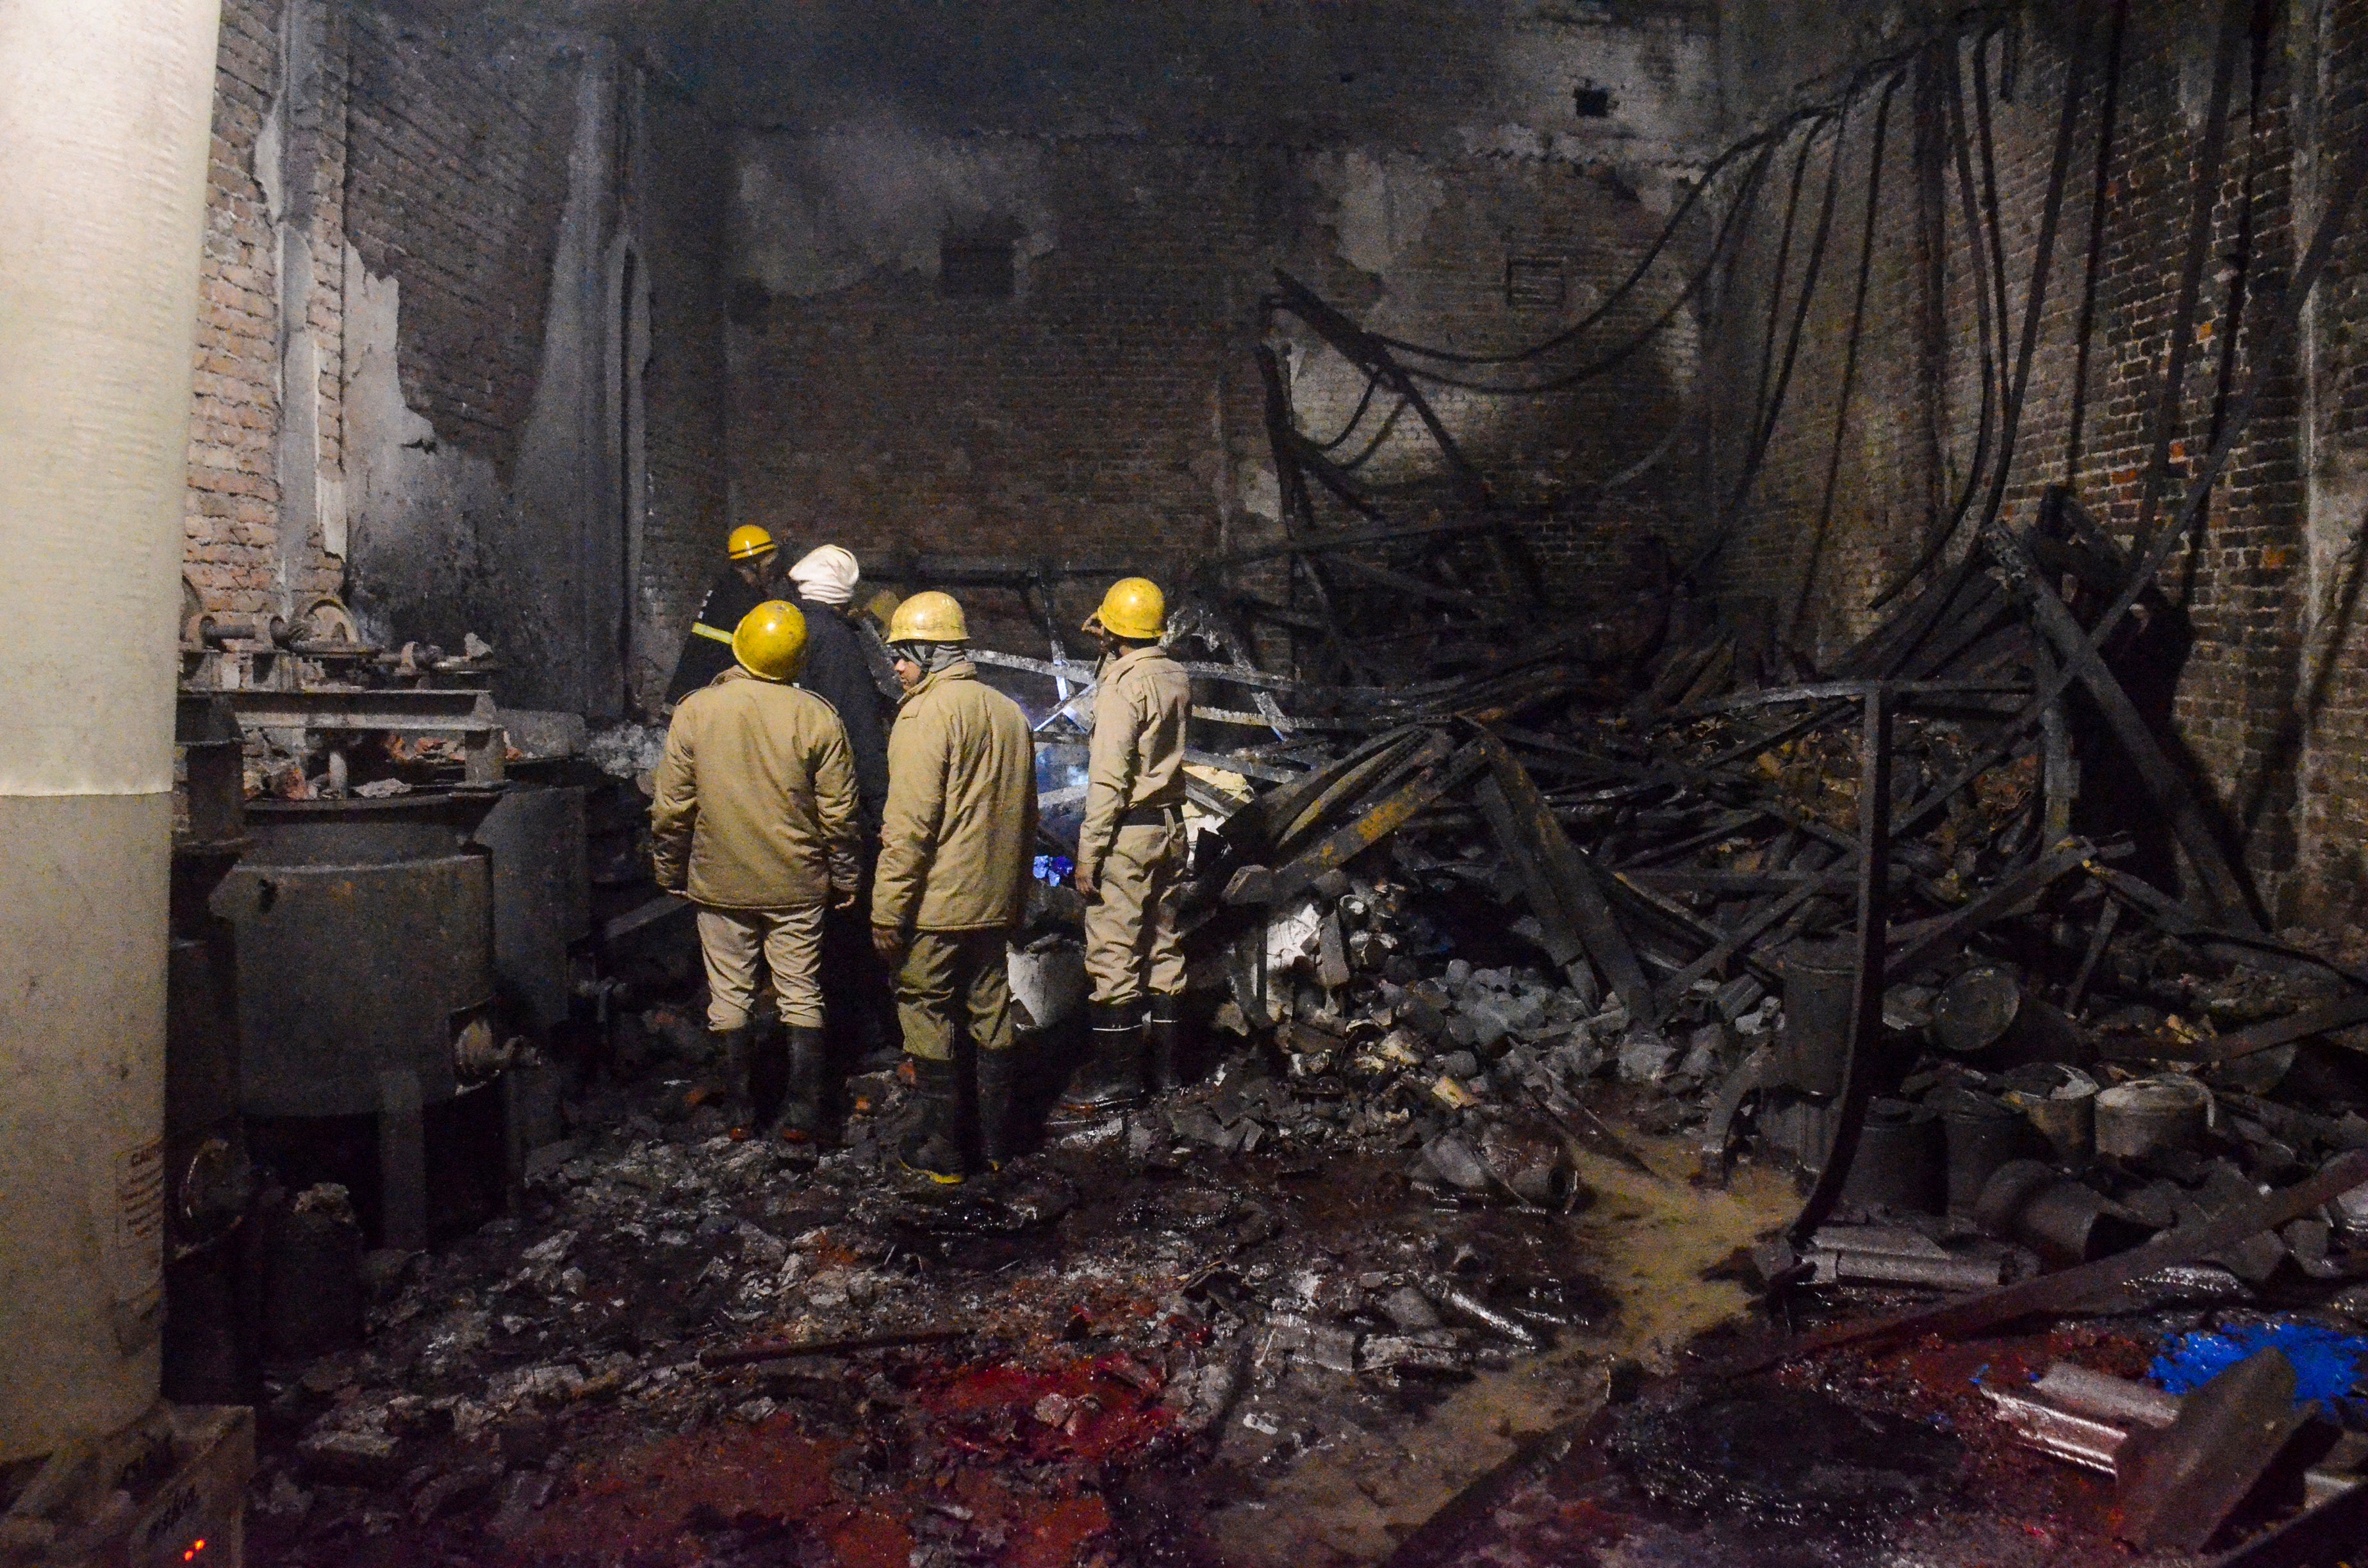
<point>1146,188</point>
<point>460,356</point>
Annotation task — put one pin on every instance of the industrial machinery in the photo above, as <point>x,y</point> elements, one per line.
<point>365,937</point>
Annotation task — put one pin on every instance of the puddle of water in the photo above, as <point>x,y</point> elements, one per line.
<point>1644,1243</point>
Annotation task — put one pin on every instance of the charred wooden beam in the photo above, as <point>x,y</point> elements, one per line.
<point>1257,884</point>
<point>2223,890</point>
<point>1569,880</point>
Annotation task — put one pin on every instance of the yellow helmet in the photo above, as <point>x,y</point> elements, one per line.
<point>1133,609</point>
<point>770,641</point>
<point>748,542</point>
<point>931,617</point>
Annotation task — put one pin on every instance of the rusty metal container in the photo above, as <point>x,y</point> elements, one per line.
<point>1820,988</point>
<point>1899,1164</point>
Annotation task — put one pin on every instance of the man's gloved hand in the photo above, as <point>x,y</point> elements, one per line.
<point>1082,879</point>
<point>888,942</point>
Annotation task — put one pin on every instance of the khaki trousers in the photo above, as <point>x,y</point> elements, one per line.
<point>789,941</point>
<point>951,979</point>
<point>1130,922</point>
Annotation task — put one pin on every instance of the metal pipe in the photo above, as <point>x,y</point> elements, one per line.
<point>105,113</point>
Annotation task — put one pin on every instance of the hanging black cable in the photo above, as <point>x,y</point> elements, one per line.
<point>2235,17</point>
<point>1390,423</point>
<point>2241,263</point>
<point>2099,195</point>
<point>1355,417</point>
<point>1746,201</point>
<point>1858,81</point>
<point>1777,274</point>
<point>2001,319</point>
<point>2034,308</point>
<point>2042,265</point>
<point>1850,354</point>
<point>1766,429</point>
<point>2043,261</point>
<point>1977,259</point>
<point>1620,291</point>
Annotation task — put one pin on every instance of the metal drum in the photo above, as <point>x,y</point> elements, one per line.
<point>365,939</point>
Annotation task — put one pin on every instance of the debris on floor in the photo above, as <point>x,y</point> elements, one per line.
<point>1478,962</point>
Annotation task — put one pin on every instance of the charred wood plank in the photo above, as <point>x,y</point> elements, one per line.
<point>2107,919</point>
<point>2340,1012</point>
<point>1558,935</point>
<point>1715,961</point>
<point>1726,827</point>
<point>1258,884</point>
<point>1998,900</point>
<point>1570,879</point>
<point>1661,882</point>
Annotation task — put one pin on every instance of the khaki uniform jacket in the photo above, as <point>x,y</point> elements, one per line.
<point>1138,750</point>
<point>754,805</point>
<point>957,840</point>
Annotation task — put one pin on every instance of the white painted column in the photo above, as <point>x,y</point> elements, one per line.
<point>105,117</point>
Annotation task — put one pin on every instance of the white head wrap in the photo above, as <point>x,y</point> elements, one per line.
<point>827,575</point>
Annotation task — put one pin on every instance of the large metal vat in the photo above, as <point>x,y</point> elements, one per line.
<point>364,949</point>
<point>365,937</point>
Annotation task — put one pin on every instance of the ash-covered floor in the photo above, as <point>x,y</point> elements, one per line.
<point>1166,1352</point>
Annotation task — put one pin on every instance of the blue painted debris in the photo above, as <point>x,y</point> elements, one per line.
<point>2327,1365</point>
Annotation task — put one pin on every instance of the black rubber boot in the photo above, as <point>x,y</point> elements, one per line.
<point>737,1049</point>
<point>803,1113</point>
<point>1113,1079</point>
<point>1164,1066</point>
<point>933,1150</point>
<point>999,1117</point>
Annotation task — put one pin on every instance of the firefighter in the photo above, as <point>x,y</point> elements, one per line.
<point>836,669</point>
<point>754,819</point>
<point>751,576</point>
<point>862,1010</point>
<point>1130,853</point>
<point>956,847</point>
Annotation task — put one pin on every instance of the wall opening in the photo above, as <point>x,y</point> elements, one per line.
<point>1535,283</point>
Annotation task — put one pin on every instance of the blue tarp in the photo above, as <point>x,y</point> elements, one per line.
<point>2327,1365</point>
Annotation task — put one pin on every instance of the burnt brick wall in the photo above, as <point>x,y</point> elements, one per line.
<point>2262,710</point>
<point>1390,157</point>
<point>457,177</point>
<point>517,428</point>
<point>1112,408</point>
<point>682,184</point>
<point>2322,729</point>
<point>1087,415</point>
<point>237,554</point>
